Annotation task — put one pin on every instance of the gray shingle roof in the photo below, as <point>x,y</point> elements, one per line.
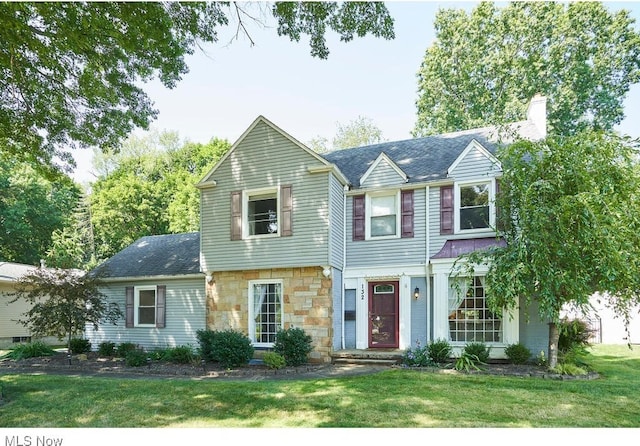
<point>423,159</point>
<point>156,255</point>
<point>10,272</point>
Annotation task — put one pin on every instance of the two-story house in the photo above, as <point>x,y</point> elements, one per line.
<point>356,246</point>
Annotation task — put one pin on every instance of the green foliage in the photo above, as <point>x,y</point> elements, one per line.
<point>229,347</point>
<point>274,360</point>
<point>484,66</point>
<point>75,72</point>
<point>79,345</point>
<point>418,356</point>
<point>573,227</point>
<point>517,353</point>
<point>182,354</point>
<point>478,350</point>
<point>440,351</point>
<point>63,303</point>
<point>294,345</point>
<point>33,208</point>
<point>124,348</point>
<point>136,358</point>
<point>467,362</point>
<point>31,350</point>
<point>574,333</point>
<point>148,190</point>
<point>542,360</point>
<point>107,349</point>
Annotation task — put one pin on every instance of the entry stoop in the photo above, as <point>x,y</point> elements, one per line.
<point>370,356</point>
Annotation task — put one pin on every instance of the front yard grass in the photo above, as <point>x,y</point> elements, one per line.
<point>394,398</point>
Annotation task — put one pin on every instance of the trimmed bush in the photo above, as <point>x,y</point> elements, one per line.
<point>136,358</point>
<point>294,345</point>
<point>517,353</point>
<point>205,340</point>
<point>107,348</point>
<point>30,350</point>
<point>478,350</point>
<point>79,345</point>
<point>274,360</point>
<point>440,351</point>
<point>573,333</point>
<point>180,355</point>
<point>124,348</point>
<point>230,348</point>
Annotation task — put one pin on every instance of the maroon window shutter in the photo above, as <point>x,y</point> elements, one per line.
<point>129,307</point>
<point>236,215</point>
<point>446,209</point>
<point>358,217</point>
<point>286,211</point>
<point>161,306</point>
<point>406,199</point>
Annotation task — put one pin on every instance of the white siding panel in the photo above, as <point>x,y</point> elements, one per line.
<point>474,166</point>
<point>9,312</point>
<point>383,175</point>
<point>263,159</point>
<point>185,315</point>
<point>336,223</point>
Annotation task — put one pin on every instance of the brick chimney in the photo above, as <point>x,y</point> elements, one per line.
<point>537,113</point>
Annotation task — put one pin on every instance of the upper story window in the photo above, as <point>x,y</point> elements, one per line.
<point>475,206</point>
<point>262,213</point>
<point>383,215</point>
<point>467,207</point>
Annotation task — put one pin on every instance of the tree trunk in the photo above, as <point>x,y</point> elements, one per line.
<point>554,336</point>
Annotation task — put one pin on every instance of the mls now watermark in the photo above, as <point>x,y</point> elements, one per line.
<point>29,440</point>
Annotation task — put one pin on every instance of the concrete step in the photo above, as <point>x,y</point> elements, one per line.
<point>369,361</point>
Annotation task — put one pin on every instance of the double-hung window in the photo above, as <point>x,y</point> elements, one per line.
<point>383,215</point>
<point>262,212</point>
<point>265,311</point>
<point>145,306</point>
<point>475,206</point>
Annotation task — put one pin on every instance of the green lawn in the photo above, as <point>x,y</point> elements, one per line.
<point>394,398</point>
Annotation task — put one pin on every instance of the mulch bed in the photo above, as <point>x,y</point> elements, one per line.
<point>92,364</point>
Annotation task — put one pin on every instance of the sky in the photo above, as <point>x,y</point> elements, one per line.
<point>232,82</point>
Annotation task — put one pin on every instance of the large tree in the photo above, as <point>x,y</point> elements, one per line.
<point>361,131</point>
<point>485,66</point>
<point>63,303</point>
<point>32,208</point>
<point>71,73</point>
<point>570,214</point>
<point>150,192</point>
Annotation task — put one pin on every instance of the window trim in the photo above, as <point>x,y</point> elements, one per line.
<point>492,208</point>
<point>246,194</point>
<point>136,305</point>
<point>369,214</point>
<point>250,301</point>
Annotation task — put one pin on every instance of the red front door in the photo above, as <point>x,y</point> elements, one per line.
<point>383,314</point>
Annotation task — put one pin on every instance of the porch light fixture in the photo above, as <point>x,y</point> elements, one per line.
<point>209,278</point>
<point>326,272</point>
<point>416,293</point>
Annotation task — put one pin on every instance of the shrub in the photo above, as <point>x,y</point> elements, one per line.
<point>417,357</point>
<point>180,355</point>
<point>294,345</point>
<point>107,348</point>
<point>541,359</point>
<point>79,345</point>
<point>467,362</point>
<point>30,350</point>
<point>440,351</point>
<point>231,348</point>
<point>205,340</point>
<point>479,350</point>
<point>274,360</point>
<point>517,353</point>
<point>124,348</point>
<point>136,358</point>
<point>573,333</point>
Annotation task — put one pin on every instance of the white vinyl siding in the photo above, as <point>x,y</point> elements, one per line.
<point>383,175</point>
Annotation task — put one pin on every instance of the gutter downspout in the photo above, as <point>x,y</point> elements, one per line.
<point>426,265</point>
<point>344,258</point>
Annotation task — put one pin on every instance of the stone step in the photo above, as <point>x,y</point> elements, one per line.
<point>369,361</point>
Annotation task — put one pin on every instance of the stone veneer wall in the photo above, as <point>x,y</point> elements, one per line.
<point>306,296</point>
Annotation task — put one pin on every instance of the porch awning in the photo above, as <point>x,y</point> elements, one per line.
<point>456,248</point>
